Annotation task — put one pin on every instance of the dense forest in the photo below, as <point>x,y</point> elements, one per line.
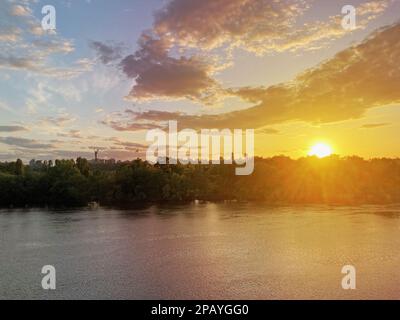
<point>277,180</point>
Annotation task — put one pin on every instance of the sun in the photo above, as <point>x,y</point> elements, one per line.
<point>320,150</point>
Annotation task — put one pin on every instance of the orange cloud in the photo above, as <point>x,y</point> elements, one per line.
<point>361,77</point>
<point>254,25</point>
<point>168,64</point>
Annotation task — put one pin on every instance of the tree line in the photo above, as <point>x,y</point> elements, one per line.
<point>277,180</point>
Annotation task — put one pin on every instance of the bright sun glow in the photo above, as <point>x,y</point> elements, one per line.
<point>321,150</point>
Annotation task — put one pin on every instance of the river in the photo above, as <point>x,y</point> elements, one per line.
<point>201,251</point>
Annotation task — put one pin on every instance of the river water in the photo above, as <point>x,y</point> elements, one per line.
<point>202,251</point>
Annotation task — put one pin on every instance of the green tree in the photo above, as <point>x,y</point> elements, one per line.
<point>83,166</point>
<point>19,168</point>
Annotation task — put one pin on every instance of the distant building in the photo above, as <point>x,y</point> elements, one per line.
<point>97,160</point>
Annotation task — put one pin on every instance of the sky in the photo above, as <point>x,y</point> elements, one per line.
<point>111,70</point>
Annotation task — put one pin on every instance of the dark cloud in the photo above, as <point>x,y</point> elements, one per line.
<point>75,134</point>
<point>120,122</point>
<point>58,121</point>
<point>25,63</point>
<point>156,74</point>
<point>107,52</point>
<point>374,125</point>
<point>153,115</point>
<point>127,144</point>
<point>12,128</point>
<point>25,143</point>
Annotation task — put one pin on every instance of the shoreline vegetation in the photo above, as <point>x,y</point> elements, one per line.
<point>277,180</point>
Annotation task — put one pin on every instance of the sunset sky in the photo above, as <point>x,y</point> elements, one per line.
<point>114,69</point>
